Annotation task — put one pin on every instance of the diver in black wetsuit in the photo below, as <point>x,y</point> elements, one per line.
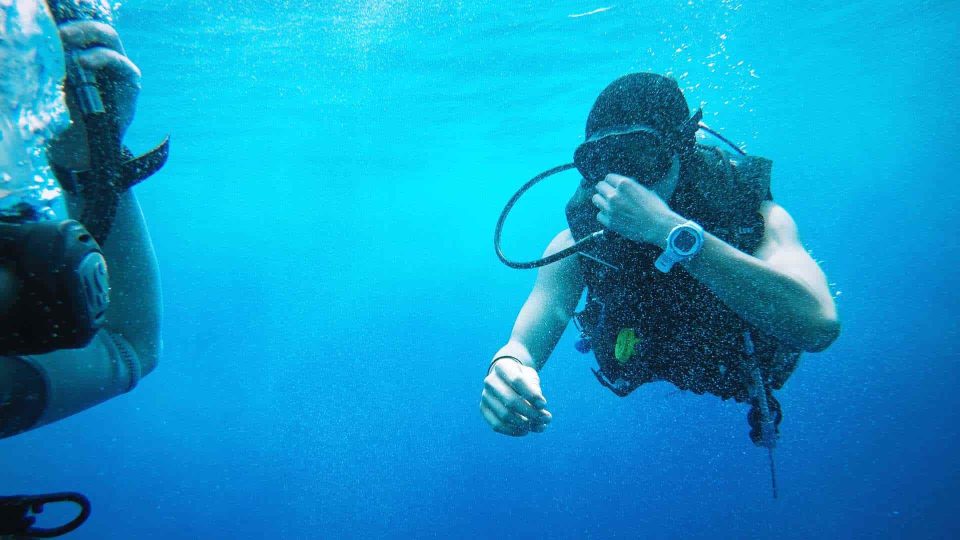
<point>70,336</point>
<point>36,389</point>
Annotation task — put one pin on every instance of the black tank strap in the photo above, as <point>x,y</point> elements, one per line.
<point>133,170</point>
<point>102,186</point>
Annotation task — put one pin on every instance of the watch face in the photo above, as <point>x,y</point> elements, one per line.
<point>684,242</point>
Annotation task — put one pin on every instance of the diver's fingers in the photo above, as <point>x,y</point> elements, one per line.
<point>616,180</point>
<point>85,34</point>
<point>498,389</point>
<point>605,189</point>
<point>600,202</point>
<point>604,218</point>
<point>503,413</point>
<point>117,66</point>
<point>523,380</point>
<point>506,428</point>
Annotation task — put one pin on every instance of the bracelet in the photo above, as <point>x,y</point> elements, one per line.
<point>501,357</point>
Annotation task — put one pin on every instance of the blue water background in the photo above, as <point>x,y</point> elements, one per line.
<point>332,297</point>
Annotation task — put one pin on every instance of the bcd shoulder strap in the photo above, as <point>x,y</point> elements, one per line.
<point>734,182</point>
<point>114,172</point>
<point>133,170</point>
<point>734,187</point>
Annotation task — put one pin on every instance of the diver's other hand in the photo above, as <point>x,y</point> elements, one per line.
<point>99,50</point>
<point>512,402</point>
<point>633,211</point>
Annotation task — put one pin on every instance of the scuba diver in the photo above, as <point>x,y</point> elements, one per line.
<point>74,334</point>
<point>693,274</point>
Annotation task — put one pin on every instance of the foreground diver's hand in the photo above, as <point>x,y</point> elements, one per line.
<point>99,50</point>
<point>512,402</point>
<point>633,211</point>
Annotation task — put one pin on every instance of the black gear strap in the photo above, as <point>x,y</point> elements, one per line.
<point>17,514</point>
<point>133,170</point>
<point>102,186</point>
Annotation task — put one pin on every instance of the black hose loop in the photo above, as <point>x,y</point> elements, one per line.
<point>16,512</point>
<point>562,254</point>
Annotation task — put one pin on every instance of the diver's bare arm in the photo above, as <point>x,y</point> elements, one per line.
<point>548,309</point>
<point>781,289</point>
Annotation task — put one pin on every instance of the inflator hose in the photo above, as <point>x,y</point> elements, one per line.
<point>563,253</point>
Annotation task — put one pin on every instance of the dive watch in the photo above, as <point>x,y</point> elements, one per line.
<point>683,243</point>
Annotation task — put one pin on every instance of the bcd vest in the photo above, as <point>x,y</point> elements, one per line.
<point>644,325</point>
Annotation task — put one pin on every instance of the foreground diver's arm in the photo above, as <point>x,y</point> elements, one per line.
<point>547,310</point>
<point>41,389</point>
<point>781,290</point>
<point>512,401</point>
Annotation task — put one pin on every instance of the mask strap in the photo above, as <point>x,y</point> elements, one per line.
<point>690,127</point>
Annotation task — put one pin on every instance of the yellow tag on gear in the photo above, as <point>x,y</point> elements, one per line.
<point>626,345</point>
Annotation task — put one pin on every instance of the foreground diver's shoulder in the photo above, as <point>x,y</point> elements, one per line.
<point>774,214</point>
<point>561,241</point>
<point>777,221</point>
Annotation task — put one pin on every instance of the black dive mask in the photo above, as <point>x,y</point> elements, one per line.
<point>639,152</point>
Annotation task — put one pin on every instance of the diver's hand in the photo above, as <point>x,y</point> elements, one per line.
<point>634,211</point>
<point>512,402</point>
<point>100,51</point>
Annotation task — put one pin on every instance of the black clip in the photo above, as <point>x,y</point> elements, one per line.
<point>16,518</point>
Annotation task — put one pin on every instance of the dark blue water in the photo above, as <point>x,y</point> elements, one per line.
<point>332,297</point>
